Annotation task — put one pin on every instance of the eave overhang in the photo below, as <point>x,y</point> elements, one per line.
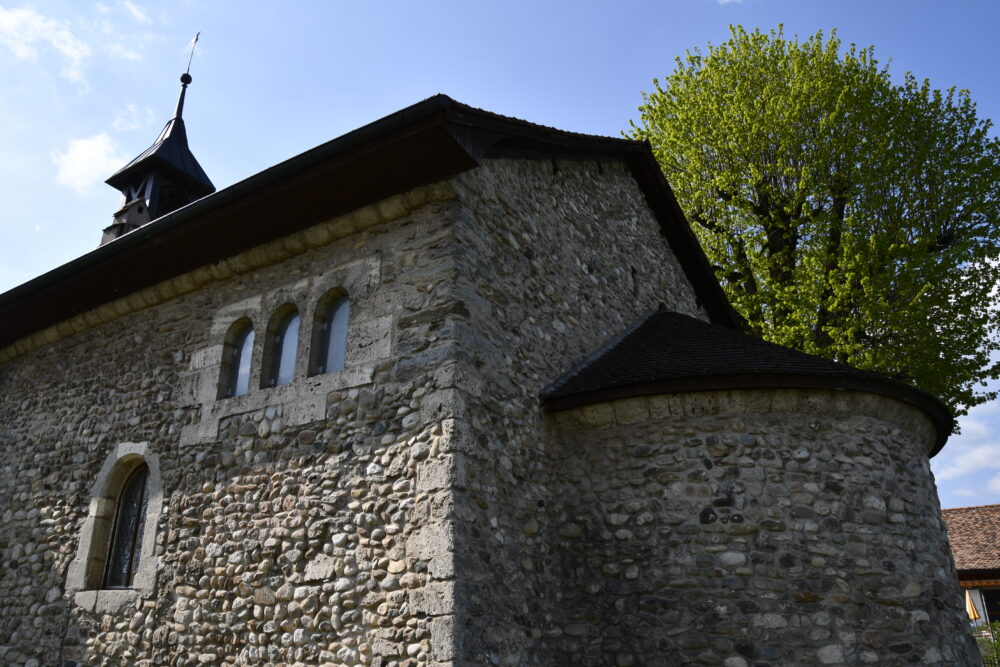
<point>424,143</point>
<point>169,154</point>
<point>980,576</point>
<point>666,352</point>
<point>157,163</point>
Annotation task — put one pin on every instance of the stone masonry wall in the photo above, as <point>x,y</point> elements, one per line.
<point>418,507</point>
<point>773,527</point>
<point>304,524</point>
<point>553,259</point>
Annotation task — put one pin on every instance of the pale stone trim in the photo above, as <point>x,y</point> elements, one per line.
<point>394,207</point>
<point>85,570</point>
<point>369,341</point>
<point>815,403</point>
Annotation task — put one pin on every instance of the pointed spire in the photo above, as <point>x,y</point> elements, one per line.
<point>161,179</point>
<point>185,80</point>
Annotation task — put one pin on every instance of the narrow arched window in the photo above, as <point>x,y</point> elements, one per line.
<point>237,355</point>
<point>284,344</point>
<point>125,546</point>
<point>331,335</point>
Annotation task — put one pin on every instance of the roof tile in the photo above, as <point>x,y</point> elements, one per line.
<point>974,533</point>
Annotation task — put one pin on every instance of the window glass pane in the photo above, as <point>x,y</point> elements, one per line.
<point>334,337</point>
<point>140,527</point>
<point>241,364</point>
<point>126,537</point>
<point>285,343</point>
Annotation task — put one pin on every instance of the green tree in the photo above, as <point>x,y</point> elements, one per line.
<point>847,216</point>
<point>988,640</point>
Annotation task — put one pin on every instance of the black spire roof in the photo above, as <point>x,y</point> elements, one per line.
<point>170,155</point>
<point>668,352</point>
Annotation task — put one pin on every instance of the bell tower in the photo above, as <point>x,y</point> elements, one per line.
<point>163,178</point>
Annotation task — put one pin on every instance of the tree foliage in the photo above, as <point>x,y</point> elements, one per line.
<point>847,215</point>
<point>988,641</point>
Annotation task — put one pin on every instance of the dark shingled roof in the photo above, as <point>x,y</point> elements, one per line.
<point>669,352</point>
<point>170,152</point>
<point>974,533</point>
<point>422,144</point>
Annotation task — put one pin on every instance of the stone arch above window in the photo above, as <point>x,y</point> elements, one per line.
<point>329,336</point>
<point>129,468</point>
<point>281,347</point>
<point>369,343</point>
<point>237,357</point>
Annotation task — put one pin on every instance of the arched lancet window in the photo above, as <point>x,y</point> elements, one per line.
<point>330,337</point>
<point>125,546</point>
<point>284,344</point>
<point>117,539</point>
<point>237,356</point>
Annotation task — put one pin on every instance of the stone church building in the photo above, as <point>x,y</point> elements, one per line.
<point>451,389</point>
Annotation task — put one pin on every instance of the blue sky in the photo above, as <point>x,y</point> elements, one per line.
<point>87,85</point>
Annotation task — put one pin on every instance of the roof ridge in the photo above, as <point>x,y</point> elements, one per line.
<point>468,108</point>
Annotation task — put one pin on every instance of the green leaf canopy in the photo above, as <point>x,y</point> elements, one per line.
<point>846,215</point>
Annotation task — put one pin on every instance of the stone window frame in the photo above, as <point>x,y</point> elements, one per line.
<point>264,313</point>
<point>237,331</point>
<point>273,348</point>
<point>325,308</point>
<point>369,340</point>
<point>85,574</point>
<point>310,298</point>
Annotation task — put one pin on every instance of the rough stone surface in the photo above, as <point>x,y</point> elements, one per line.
<point>281,512</point>
<point>748,533</point>
<point>418,507</point>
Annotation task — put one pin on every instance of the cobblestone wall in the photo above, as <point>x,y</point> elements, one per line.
<point>751,528</point>
<point>574,552</point>
<point>554,258</point>
<point>418,507</point>
<point>293,531</point>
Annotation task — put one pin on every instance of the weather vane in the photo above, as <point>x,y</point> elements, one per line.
<point>186,78</point>
<point>194,43</point>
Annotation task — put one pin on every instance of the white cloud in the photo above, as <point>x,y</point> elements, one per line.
<point>119,51</point>
<point>89,161</point>
<point>110,38</point>
<point>977,449</point>
<point>100,28</point>
<point>131,118</point>
<point>136,11</point>
<point>971,460</point>
<point>25,32</point>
